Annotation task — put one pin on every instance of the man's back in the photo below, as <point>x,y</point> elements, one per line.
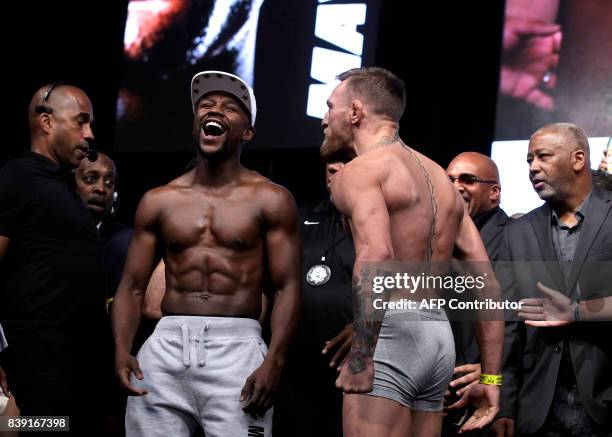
<point>400,206</point>
<point>424,209</point>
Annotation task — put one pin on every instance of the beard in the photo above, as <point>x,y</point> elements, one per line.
<point>220,153</point>
<point>557,186</point>
<point>549,194</point>
<point>333,146</point>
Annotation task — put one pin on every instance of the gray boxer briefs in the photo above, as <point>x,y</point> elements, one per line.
<point>194,370</point>
<point>414,358</point>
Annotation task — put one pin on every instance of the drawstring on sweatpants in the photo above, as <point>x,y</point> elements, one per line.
<point>186,360</point>
<point>200,345</point>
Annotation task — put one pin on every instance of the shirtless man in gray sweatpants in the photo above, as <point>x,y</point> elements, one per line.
<point>220,226</point>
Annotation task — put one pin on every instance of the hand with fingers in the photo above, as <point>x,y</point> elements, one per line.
<point>259,389</point>
<point>554,309</point>
<point>4,383</point>
<point>356,375</point>
<point>342,342</point>
<point>463,384</point>
<point>530,57</point>
<point>125,364</point>
<point>485,398</point>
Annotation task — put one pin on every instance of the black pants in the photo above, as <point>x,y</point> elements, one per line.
<point>568,417</point>
<point>51,377</point>
<point>308,411</point>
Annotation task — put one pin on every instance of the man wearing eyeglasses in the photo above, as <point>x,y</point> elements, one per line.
<point>52,280</point>
<point>476,177</point>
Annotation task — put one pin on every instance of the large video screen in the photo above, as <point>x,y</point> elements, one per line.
<point>556,66</point>
<point>289,52</point>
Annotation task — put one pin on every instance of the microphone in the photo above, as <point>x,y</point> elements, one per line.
<point>92,155</point>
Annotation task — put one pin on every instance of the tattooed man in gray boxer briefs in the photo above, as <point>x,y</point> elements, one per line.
<point>400,206</point>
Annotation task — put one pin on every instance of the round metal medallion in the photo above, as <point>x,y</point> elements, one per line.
<point>318,275</point>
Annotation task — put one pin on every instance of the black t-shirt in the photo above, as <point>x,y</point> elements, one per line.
<point>326,308</point>
<point>115,239</point>
<point>52,276</point>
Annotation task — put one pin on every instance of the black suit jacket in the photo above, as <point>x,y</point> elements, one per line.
<point>492,233</point>
<point>533,360</point>
<point>466,346</point>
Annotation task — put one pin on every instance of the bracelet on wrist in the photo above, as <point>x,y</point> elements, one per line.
<point>490,379</point>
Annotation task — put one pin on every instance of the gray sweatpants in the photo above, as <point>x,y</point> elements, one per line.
<point>194,370</point>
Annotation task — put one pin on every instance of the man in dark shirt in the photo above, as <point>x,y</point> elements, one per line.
<point>477,179</point>
<point>96,183</point>
<point>52,299</point>
<point>558,382</point>
<point>308,388</point>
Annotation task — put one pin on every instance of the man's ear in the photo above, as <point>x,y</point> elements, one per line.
<point>248,134</point>
<point>45,122</point>
<point>578,159</point>
<point>356,111</point>
<point>495,193</point>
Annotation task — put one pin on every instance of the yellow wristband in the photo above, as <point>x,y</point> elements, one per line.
<point>490,379</point>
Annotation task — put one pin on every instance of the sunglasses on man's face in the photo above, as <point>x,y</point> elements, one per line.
<point>470,179</point>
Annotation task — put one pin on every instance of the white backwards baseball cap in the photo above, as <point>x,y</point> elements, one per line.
<point>208,81</point>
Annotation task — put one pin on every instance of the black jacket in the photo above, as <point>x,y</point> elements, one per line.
<point>466,346</point>
<point>534,357</point>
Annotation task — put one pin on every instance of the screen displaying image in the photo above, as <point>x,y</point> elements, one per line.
<point>556,66</point>
<point>289,52</point>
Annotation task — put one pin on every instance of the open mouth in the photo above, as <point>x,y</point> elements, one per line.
<point>213,128</point>
<point>97,201</point>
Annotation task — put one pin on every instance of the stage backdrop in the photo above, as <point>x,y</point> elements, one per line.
<point>289,52</point>
<point>556,66</point>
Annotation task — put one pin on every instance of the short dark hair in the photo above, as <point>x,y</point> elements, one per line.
<point>569,131</point>
<point>383,91</point>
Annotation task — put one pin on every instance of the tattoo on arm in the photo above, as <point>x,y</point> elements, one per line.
<point>367,321</point>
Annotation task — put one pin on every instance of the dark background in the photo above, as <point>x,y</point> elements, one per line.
<point>447,53</point>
